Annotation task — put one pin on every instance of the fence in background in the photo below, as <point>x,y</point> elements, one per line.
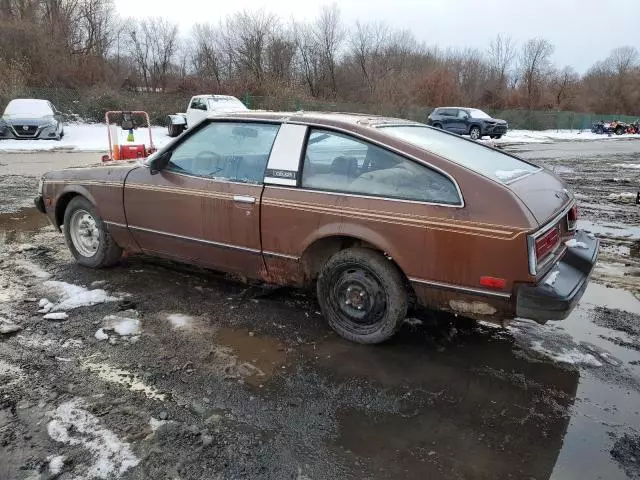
<point>91,104</point>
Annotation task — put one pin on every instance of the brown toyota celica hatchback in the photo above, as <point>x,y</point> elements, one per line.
<point>381,215</point>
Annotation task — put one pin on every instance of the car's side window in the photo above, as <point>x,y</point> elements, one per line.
<point>233,151</point>
<point>198,104</point>
<point>340,163</point>
<point>462,114</point>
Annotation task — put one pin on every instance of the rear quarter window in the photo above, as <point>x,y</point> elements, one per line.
<point>340,163</point>
<point>493,164</point>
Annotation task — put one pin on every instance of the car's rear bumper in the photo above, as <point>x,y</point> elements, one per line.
<point>555,296</point>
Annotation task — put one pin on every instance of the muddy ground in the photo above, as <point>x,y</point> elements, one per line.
<point>212,379</point>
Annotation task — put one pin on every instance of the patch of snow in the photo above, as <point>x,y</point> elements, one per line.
<point>27,108</point>
<point>74,296</point>
<point>179,320</point>
<point>550,136</point>
<point>506,175</point>
<point>98,283</point>
<point>625,196</point>
<point>573,356</point>
<point>74,425</point>
<point>7,326</point>
<point>573,243</point>
<point>123,326</point>
<point>84,138</point>
<point>56,463</point>
<point>116,375</point>
<point>56,316</point>
<point>32,269</point>
<point>634,166</point>
<point>101,335</point>
<point>156,424</point>
<point>591,236</point>
<point>551,279</point>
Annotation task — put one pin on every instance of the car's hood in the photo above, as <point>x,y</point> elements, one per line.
<point>496,120</point>
<point>543,193</point>
<point>108,172</point>
<point>28,120</point>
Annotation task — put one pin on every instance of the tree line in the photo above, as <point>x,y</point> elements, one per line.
<point>81,43</point>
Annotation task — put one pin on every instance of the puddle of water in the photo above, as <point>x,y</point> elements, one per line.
<point>267,354</point>
<point>15,227</point>
<point>610,229</point>
<point>472,410</point>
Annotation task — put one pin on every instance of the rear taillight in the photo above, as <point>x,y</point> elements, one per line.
<point>546,243</point>
<point>541,247</point>
<point>572,218</point>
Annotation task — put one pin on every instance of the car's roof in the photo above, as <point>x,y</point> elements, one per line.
<point>336,119</point>
<point>461,108</point>
<point>215,96</point>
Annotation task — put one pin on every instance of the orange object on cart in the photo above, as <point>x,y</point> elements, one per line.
<point>126,149</point>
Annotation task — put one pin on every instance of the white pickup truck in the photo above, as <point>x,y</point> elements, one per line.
<point>199,108</point>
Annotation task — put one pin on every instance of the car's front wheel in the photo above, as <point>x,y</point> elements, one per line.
<point>475,133</point>
<point>87,237</point>
<point>362,295</point>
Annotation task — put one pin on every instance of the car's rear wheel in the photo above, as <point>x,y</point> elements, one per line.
<point>362,295</point>
<point>475,133</point>
<point>87,237</point>
<point>437,125</point>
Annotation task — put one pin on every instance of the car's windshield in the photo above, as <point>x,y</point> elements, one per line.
<point>475,113</point>
<point>28,108</point>
<point>490,163</point>
<point>225,103</point>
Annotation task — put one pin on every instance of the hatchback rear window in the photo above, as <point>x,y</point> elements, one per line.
<point>490,163</point>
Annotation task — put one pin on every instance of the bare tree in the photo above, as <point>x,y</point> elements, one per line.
<point>154,43</point>
<point>534,66</point>
<point>246,36</point>
<point>330,35</point>
<point>367,45</point>
<point>309,57</point>
<point>500,57</point>
<point>206,55</point>
<point>564,84</point>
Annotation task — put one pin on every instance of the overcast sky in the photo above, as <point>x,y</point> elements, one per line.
<point>583,31</point>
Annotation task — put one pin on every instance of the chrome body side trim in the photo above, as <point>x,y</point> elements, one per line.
<point>460,288</point>
<point>198,240</point>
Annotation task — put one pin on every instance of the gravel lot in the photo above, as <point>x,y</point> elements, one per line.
<point>212,379</point>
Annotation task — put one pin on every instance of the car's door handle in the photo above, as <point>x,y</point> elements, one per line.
<point>244,199</point>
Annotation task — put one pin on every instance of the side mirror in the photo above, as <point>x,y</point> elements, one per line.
<point>158,163</point>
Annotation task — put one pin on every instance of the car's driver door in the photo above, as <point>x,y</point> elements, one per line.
<point>204,207</point>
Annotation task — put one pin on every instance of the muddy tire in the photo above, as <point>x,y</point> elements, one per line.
<point>437,125</point>
<point>620,130</point>
<point>475,133</point>
<point>362,295</point>
<point>87,237</point>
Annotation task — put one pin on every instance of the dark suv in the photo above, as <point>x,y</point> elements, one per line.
<point>467,121</point>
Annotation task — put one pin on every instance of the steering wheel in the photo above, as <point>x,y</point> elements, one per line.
<point>206,162</point>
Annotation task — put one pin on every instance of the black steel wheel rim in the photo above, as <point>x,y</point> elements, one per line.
<point>358,299</point>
